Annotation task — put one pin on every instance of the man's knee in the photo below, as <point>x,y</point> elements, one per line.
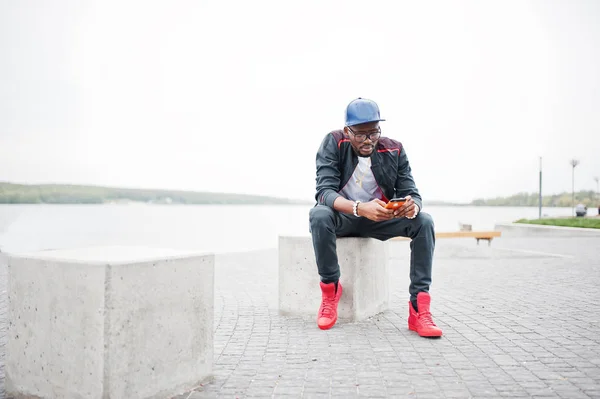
<point>425,220</point>
<point>321,215</point>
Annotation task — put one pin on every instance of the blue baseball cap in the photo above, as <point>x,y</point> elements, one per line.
<point>362,110</point>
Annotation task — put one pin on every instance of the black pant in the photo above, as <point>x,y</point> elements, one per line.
<point>326,225</point>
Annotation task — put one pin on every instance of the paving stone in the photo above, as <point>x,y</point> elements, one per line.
<point>507,330</point>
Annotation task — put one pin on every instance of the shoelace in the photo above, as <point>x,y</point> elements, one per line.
<point>425,319</point>
<point>328,304</point>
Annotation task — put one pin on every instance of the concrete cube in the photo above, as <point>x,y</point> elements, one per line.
<point>109,322</point>
<point>364,277</point>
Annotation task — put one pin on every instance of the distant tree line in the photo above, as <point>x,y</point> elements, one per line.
<point>74,194</point>
<point>588,198</point>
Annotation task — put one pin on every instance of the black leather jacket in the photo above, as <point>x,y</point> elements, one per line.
<point>336,161</point>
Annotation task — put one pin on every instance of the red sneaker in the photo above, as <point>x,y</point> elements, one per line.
<point>329,302</point>
<point>421,321</point>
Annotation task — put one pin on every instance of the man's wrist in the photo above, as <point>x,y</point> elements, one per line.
<point>343,205</point>
<point>417,209</point>
<point>355,208</point>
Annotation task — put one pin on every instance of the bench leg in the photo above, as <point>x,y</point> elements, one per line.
<point>489,240</point>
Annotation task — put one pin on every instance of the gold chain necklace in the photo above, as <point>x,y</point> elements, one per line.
<point>359,181</point>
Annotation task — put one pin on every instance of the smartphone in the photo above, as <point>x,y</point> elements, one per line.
<point>395,203</point>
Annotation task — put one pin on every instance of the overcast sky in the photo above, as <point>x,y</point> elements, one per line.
<point>236,96</point>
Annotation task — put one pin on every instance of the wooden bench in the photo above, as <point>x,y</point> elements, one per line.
<point>478,235</point>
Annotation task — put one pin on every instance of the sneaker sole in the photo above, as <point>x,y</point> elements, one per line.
<point>411,328</point>
<point>328,326</point>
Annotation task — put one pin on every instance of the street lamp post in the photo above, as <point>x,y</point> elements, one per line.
<point>574,162</point>
<point>598,190</point>
<point>540,199</point>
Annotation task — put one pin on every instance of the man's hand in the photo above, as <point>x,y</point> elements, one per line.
<point>374,210</point>
<point>409,209</point>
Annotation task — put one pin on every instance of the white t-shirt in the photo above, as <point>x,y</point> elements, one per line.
<point>362,185</point>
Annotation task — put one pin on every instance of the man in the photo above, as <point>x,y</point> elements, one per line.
<point>358,172</point>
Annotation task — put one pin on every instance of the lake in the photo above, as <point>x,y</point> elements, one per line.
<point>215,228</point>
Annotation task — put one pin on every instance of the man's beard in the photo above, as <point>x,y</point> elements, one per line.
<point>357,152</point>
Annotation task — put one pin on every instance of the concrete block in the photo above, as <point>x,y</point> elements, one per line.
<point>109,322</point>
<point>364,277</point>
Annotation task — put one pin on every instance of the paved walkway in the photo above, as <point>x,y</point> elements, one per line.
<point>520,318</point>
